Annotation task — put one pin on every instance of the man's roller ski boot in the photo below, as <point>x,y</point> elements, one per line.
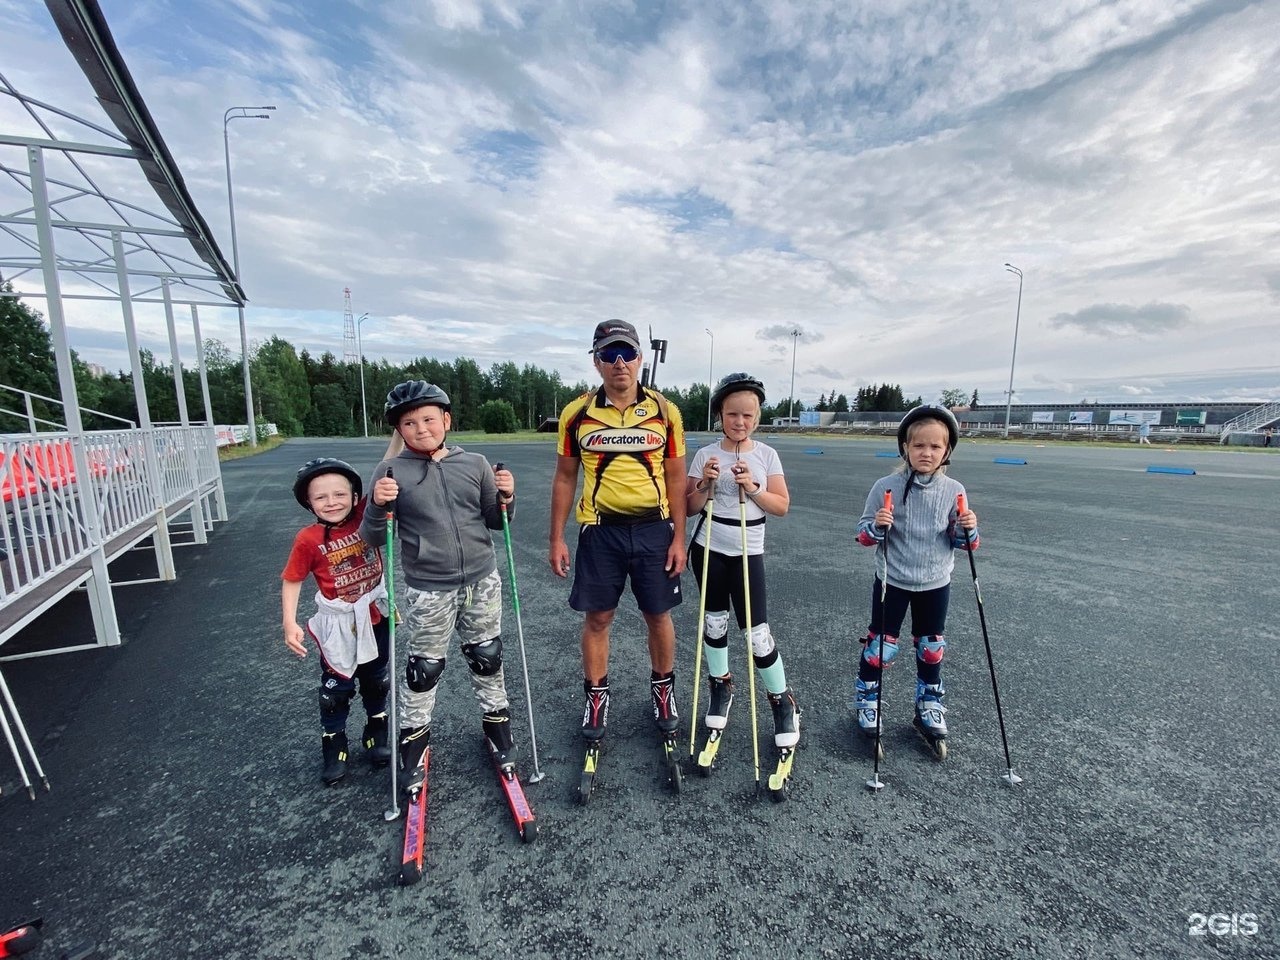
<point>717,720</point>
<point>866,707</point>
<point>415,757</point>
<point>595,717</point>
<point>667,720</point>
<point>930,719</point>
<point>786,734</point>
<point>497,739</point>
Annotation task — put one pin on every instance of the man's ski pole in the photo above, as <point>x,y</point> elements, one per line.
<point>388,567</point>
<point>524,663</point>
<point>1009,777</point>
<point>875,783</point>
<point>702,619</point>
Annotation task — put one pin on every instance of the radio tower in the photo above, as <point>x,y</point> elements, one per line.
<point>349,353</point>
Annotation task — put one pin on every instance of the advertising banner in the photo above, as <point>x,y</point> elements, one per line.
<point>1191,418</point>
<point>1081,416</point>
<point>1042,416</point>
<point>1134,417</point>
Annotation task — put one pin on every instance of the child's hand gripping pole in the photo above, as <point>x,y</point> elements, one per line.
<point>388,569</point>
<point>515,605</point>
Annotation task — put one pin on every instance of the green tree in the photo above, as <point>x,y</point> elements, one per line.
<point>280,385</point>
<point>26,358</point>
<point>952,398</point>
<point>330,413</point>
<point>841,405</point>
<point>973,401</point>
<point>498,416</point>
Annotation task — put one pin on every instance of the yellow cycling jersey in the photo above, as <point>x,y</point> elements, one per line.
<point>622,453</point>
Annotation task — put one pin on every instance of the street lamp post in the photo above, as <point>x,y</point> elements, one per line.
<point>711,366</point>
<point>1017,317</point>
<point>791,401</point>
<point>240,113</point>
<point>364,414</point>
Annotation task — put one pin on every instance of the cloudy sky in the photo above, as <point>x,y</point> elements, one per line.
<point>492,177</point>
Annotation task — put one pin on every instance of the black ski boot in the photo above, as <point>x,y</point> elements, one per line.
<point>413,744</point>
<point>334,748</point>
<point>374,739</point>
<point>663,691</point>
<point>497,730</point>
<point>721,700</point>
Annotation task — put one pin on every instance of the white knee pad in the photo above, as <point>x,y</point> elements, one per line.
<point>716,624</point>
<point>761,640</point>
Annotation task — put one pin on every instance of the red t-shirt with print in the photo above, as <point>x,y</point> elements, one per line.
<point>345,567</point>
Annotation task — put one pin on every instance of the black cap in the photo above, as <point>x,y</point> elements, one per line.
<point>614,331</point>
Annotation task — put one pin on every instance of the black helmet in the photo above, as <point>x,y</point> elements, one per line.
<point>318,467</point>
<point>928,411</point>
<point>733,383</point>
<point>410,395</point>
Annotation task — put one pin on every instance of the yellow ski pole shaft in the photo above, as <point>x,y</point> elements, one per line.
<point>702,620</point>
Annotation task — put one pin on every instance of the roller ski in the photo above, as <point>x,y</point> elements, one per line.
<point>497,739</point>
<point>866,706</point>
<point>667,721</point>
<point>786,735</point>
<point>717,720</point>
<point>595,716</point>
<point>415,756</point>
<point>930,719</point>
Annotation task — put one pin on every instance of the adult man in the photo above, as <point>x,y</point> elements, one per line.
<point>630,443</point>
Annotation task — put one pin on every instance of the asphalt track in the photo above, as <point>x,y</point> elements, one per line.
<point>1133,620</point>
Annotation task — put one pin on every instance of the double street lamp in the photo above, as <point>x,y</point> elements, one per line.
<point>241,113</point>
<point>711,366</point>
<point>1017,317</point>
<point>364,415</point>
<point>791,401</point>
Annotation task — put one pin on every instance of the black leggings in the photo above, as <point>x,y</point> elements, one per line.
<point>724,584</point>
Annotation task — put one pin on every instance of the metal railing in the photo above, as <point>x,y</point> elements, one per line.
<point>61,509</point>
<point>1252,420</point>
<point>29,414</point>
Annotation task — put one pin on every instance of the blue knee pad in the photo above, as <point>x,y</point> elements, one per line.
<point>931,649</point>
<point>484,658</point>
<point>879,650</point>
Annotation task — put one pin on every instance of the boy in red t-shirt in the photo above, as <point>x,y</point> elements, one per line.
<point>349,626</point>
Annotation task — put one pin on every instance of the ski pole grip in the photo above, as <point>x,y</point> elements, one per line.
<point>888,499</point>
<point>960,504</point>
<point>391,507</point>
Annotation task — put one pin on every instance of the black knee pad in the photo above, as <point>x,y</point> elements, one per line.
<point>378,684</point>
<point>423,673</point>
<point>334,702</point>
<point>485,657</point>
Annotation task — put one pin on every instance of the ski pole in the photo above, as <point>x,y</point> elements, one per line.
<point>1009,777</point>
<point>524,663</point>
<point>875,783</point>
<point>388,563</point>
<point>702,618</point>
<point>746,602</point>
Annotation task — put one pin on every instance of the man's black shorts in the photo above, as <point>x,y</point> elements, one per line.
<point>610,553</point>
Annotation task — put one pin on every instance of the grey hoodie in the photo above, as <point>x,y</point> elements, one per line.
<point>444,513</point>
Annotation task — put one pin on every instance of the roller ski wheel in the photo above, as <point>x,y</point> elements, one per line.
<point>780,779</point>
<point>671,756</point>
<point>590,766</point>
<point>936,745</point>
<point>707,756</point>
<point>529,831</point>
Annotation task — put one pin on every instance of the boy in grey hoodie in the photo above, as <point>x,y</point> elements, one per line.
<point>445,502</point>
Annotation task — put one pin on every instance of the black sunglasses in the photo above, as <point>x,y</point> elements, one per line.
<point>610,355</point>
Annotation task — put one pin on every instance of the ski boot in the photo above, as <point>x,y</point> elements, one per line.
<point>866,707</point>
<point>930,720</point>
<point>413,744</point>
<point>374,739</point>
<point>786,734</point>
<point>497,731</point>
<point>334,749</point>
<point>667,720</point>
<point>717,720</point>
<point>595,716</point>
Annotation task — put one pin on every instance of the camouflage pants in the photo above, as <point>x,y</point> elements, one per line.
<point>430,618</point>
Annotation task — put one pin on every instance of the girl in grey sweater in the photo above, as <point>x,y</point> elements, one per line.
<point>912,516</point>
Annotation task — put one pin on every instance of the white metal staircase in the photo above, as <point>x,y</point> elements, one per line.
<point>1251,421</point>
